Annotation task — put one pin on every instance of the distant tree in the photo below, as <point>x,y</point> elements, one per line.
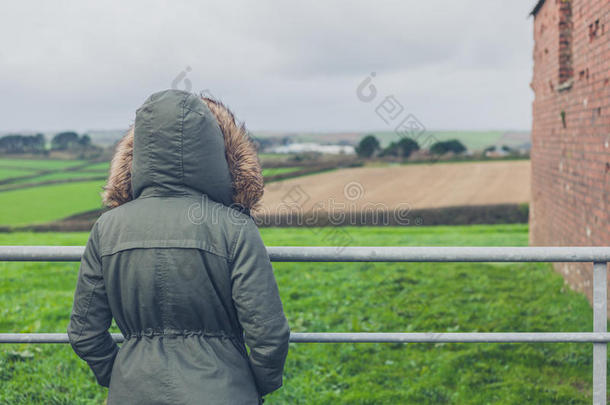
<point>391,150</point>
<point>408,146</point>
<point>402,148</point>
<point>39,142</point>
<point>22,143</point>
<point>85,141</point>
<point>71,141</point>
<point>368,146</point>
<point>453,145</point>
<point>64,141</point>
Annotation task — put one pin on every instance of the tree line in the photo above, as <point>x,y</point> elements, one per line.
<point>369,146</point>
<point>63,141</point>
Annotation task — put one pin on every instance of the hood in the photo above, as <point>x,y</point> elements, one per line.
<point>180,141</point>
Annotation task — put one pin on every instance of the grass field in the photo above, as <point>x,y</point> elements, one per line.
<point>54,176</point>
<point>273,157</point>
<point>41,171</point>
<point>349,297</point>
<point>6,173</point>
<point>39,164</point>
<point>101,166</point>
<point>47,203</point>
<point>40,202</point>
<point>280,170</point>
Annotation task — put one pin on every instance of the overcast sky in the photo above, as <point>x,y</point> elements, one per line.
<point>280,65</point>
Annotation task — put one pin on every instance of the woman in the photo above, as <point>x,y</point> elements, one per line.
<point>180,265</point>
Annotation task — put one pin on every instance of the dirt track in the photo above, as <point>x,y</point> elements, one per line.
<point>415,186</point>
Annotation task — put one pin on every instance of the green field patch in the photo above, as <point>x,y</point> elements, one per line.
<point>275,157</point>
<point>48,203</point>
<point>64,175</point>
<point>8,173</point>
<point>274,171</point>
<point>101,166</point>
<point>349,297</point>
<point>39,164</point>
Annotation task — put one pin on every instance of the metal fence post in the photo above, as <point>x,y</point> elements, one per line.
<point>600,319</point>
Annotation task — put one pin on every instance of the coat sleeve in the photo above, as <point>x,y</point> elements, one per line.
<point>91,315</point>
<point>259,309</point>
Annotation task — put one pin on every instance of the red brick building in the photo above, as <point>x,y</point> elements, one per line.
<point>571,129</point>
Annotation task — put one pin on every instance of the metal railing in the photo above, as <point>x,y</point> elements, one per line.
<point>600,256</point>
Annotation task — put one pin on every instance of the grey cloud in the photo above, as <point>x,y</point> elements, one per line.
<point>280,65</point>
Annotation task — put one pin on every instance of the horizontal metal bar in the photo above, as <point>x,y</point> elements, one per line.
<point>439,254</point>
<point>41,253</point>
<point>475,337</point>
<point>361,254</point>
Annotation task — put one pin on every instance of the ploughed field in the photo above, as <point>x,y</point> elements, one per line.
<point>413,186</point>
<point>349,297</point>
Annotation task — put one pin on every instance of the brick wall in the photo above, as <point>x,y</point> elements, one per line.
<point>571,130</point>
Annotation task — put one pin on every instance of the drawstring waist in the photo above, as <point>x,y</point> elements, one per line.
<point>150,332</point>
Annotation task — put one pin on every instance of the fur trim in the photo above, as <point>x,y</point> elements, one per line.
<point>240,152</point>
<point>117,190</point>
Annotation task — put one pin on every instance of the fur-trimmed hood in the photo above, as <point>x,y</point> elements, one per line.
<point>180,140</point>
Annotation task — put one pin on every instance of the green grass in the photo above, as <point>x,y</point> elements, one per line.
<point>10,168</point>
<point>101,166</point>
<point>280,170</point>
<point>48,203</point>
<point>7,173</point>
<point>273,156</point>
<point>55,176</point>
<point>349,297</point>
<point>40,164</point>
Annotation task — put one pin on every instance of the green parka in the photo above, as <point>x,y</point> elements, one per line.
<point>181,266</point>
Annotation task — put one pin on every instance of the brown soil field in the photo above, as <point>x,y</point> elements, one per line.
<point>408,186</point>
